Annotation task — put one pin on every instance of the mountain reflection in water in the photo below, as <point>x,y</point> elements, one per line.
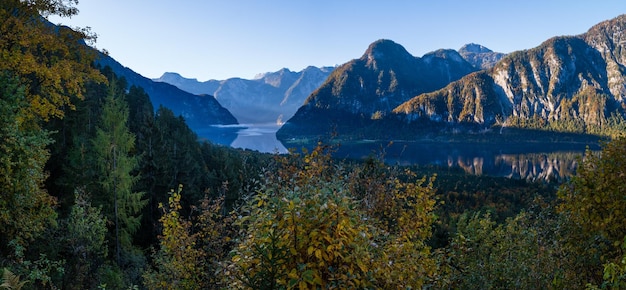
<point>522,160</point>
<point>258,137</point>
<point>531,161</point>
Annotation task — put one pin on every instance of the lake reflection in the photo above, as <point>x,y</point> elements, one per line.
<point>532,161</point>
<point>259,137</point>
<point>522,160</point>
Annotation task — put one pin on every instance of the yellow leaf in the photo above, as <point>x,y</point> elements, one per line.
<point>293,274</point>
<point>361,265</point>
<point>310,250</point>
<point>303,285</point>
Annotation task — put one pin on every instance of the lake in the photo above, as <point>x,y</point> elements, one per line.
<point>523,160</point>
<point>520,160</point>
<point>259,137</point>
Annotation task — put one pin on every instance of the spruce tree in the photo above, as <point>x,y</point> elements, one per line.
<point>113,147</point>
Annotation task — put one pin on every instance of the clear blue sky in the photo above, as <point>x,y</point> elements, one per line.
<point>208,39</point>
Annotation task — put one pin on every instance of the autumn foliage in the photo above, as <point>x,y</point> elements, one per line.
<point>306,228</point>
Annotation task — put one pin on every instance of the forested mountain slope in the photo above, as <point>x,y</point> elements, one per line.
<point>199,111</point>
<point>574,84</point>
<point>568,83</point>
<point>371,86</point>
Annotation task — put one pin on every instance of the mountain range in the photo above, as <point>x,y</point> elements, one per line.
<point>566,84</point>
<point>370,87</point>
<point>199,111</point>
<point>268,98</point>
<point>576,81</point>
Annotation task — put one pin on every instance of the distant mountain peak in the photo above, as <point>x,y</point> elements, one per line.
<point>450,54</point>
<point>474,48</point>
<point>370,87</point>
<point>279,72</point>
<point>266,98</point>
<point>479,56</point>
<point>174,76</point>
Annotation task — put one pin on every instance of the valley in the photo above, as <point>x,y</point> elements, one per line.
<point>556,94</point>
<point>456,169</point>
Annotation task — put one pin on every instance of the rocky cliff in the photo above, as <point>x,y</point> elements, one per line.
<point>573,83</point>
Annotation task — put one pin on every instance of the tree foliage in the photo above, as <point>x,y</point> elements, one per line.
<point>178,259</point>
<point>113,147</point>
<point>52,63</point>
<point>521,253</point>
<point>305,228</point>
<point>189,250</point>
<point>26,209</point>
<point>614,274</point>
<point>593,201</point>
<point>85,242</point>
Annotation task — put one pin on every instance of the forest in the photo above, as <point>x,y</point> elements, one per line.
<point>100,190</point>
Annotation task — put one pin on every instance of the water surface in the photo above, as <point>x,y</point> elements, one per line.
<point>524,160</point>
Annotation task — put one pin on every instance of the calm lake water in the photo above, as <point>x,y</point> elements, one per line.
<point>259,137</point>
<point>524,160</point>
<point>532,161</point>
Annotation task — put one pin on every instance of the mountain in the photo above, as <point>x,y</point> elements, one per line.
<point>199,111</point>
<point>479,56</point>
<point>568,83</point>
<point>268,98</point>
<point>189,85</point>
<point>370,87</point>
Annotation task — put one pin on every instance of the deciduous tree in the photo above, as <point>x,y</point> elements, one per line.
<point>593,201</point>
<point>26,209</point>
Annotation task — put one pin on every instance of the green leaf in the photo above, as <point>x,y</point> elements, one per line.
<point>308,276</point>
<point>292,283</point>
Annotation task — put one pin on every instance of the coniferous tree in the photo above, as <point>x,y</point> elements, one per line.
<point>178,157</point>
<point>113,145</point>
<point>73,146</point>
<point>142,123</point>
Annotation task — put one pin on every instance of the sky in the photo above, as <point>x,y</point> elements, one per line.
<point>208,39</point>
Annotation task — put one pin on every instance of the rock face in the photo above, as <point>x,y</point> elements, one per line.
<point>569,83</point>
<point>199,111</point>
<point>371,86</point>
<point>479,56</point>
<point>268,98</point>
